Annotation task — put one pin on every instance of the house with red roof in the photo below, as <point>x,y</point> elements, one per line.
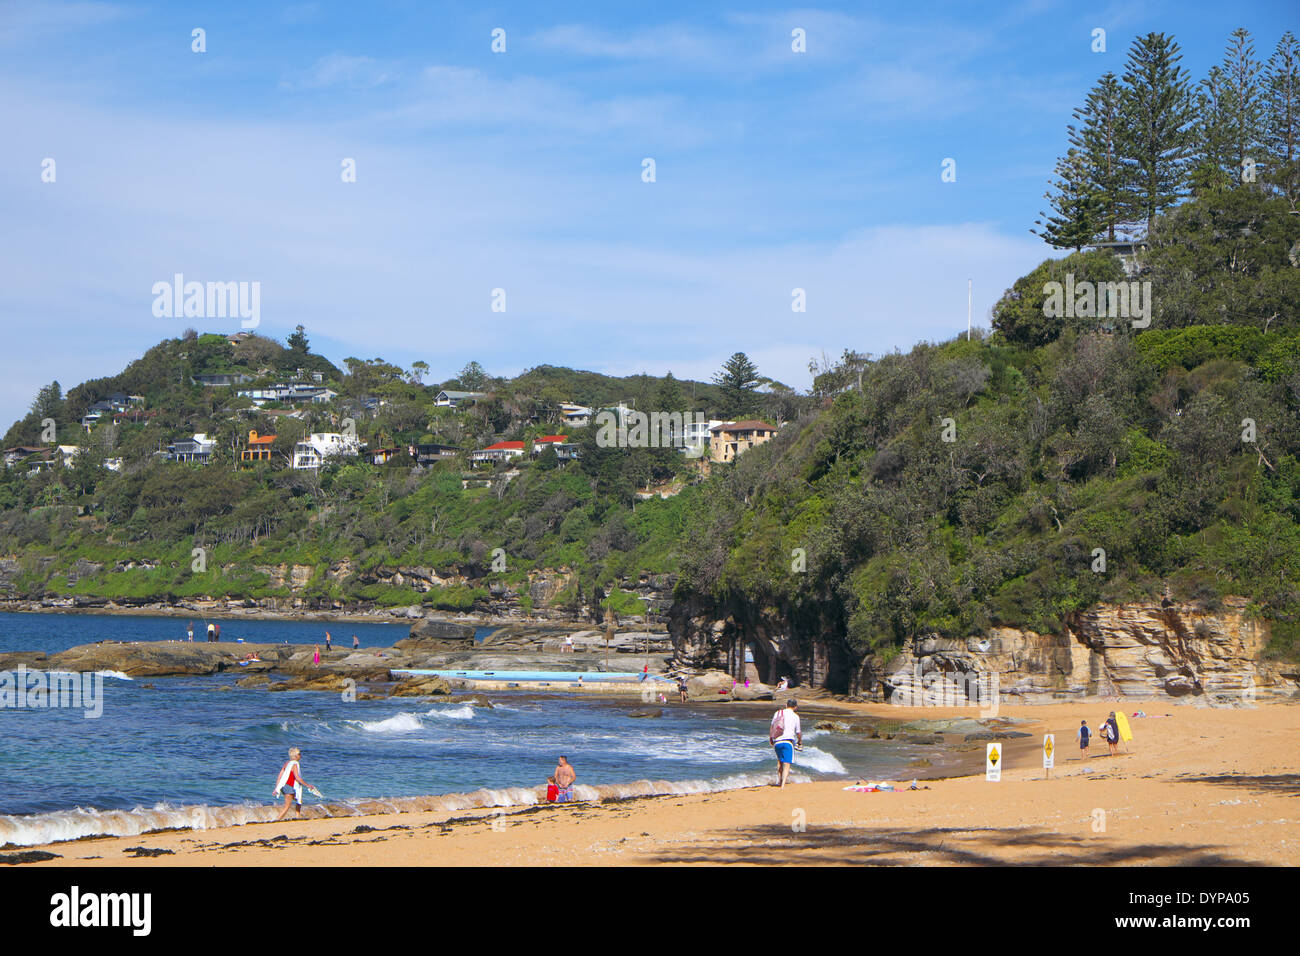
<point>500,451</point>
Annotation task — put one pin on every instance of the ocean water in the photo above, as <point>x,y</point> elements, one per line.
<point>199,751</point>
<point>58,632</point>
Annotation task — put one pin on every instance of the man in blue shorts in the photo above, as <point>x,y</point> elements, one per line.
<point>786,736</point>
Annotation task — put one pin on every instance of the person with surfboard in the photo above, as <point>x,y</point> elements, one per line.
<point>1112,734</point>
<point>290,784</point>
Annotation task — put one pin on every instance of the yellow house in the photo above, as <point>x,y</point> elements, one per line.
<point>259,447</point>
<point>730,439</point>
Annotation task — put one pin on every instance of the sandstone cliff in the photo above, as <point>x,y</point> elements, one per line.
<point>1139,650</point>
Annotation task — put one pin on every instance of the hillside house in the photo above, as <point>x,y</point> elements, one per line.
<point>548,441</point>
<point>196,450</point>
<point>450,399</point>
<point>20,453</point>
<point>259,447</point>
<point>426,453</point>
<point>696,435</point>
<point>220,379</point>
<point>289,393</point>
<point>315,450</point>
<point>731,439</point>
<point>575,416</point>
<point>500,451</point>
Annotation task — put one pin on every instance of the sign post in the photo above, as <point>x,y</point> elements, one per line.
<point>993,763</point>
<point>1049,753</point>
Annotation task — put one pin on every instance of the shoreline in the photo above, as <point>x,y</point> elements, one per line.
<point>1197,788</point>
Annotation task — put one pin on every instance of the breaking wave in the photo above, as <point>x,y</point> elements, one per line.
<point>63,825</point>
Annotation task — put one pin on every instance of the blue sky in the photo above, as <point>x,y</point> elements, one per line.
<point>522,171</point>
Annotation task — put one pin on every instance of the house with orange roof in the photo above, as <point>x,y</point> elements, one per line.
<point>259,447</point>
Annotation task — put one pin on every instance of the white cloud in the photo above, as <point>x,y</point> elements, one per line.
<point>338,69</point>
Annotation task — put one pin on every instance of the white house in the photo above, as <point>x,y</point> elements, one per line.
<point>197,449</point>
<point>320,446</point>
<point>696,435</point>
<point>450,399</point>
<point>575,416</point>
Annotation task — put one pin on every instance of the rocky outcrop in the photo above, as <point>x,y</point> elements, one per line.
<point>426,686</point>
<point>1140,650</point>
<point>436,632</point>
<point>148,659</point>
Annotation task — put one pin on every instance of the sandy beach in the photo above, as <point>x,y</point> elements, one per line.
<point>1201,787</point>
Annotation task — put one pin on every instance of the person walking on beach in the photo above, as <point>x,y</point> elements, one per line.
<point>1112,734</point>
<point>1082,736</point>
<point>786,736</point>
<point>565,775</point>
<point>290,783</point>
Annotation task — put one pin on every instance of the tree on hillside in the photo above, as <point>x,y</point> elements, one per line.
<point>1243,104</point>
<point>1097,140</point>
<point>1282,118</point>
<point>1212,155</point>
<point>1076,209</point>
<point>737,382</point>
<point>418,371</point>
<point>472,378</point>
<point>297,342</point>
<point>49,402</point>
<point>1156,142</point>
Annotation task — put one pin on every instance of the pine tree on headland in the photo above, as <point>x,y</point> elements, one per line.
<point>1212,155</point>
<point>297,342</point>
<point>1243,105</point>
<point>1157,137</point>
<point>737,381</point>
<point>1282,118</point>
<point>1097,140</point>
<point>1076,208</point>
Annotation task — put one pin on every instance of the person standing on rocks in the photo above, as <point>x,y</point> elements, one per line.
<point>356,644</point>
<point>565,775</point>
<point>329,642</point>
<point>786,736</point>
<point>189,631</point>
<point>315,656</point>
<point>211,630</point>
